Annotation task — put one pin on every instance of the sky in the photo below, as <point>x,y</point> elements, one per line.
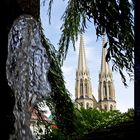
<point>124,96</point>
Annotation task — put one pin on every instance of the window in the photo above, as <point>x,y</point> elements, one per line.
<point>87,106</point>
<point>86,88</point>
<point>81,104</point>
<point>81,87</point>
<point>100,107</point>
<point>109,87</point>
<point>111,107</point>
<point>105,91</point>
<point>105,107</point>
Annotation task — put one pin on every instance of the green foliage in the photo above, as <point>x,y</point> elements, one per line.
<point>60,102</point>
<point>89,120</point>
<point>93,119</point>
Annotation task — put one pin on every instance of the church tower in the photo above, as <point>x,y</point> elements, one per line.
<point>106,91</point>
<point>83,88</point>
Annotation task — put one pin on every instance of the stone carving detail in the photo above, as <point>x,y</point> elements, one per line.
<point>26,68</point>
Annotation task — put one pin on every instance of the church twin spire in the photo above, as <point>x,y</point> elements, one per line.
<point>83,88</point>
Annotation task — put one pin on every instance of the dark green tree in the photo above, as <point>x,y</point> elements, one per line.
<point>137,66</point>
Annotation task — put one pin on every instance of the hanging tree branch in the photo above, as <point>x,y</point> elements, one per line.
<point>110,16</point>
<point>60,102</point>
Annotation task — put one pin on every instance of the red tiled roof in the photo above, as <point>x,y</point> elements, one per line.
<point>42,116</point>
<point>39,115</point>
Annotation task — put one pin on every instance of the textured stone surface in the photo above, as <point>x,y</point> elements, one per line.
<point>26,68</point>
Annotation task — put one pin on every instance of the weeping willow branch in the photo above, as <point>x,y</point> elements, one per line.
<point>62,106</point>
<point>110,16</point>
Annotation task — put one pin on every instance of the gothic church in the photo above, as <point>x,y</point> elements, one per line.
<point>83,87</point>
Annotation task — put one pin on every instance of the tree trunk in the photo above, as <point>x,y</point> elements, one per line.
<point>12,9</point>
<point>137,67</point>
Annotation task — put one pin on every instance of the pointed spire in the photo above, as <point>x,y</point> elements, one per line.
<point>104,64</point>
<point>106,91</point>
<point>82,66</point>
<point>83,87</point>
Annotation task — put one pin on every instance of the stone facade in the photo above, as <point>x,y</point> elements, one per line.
<point>83,87</point>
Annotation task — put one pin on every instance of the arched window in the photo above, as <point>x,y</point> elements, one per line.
<point>81,88</point>
<point>105,91</point>
<point>81,104</point>
<point>105,107</point>
<point>86,88</point>
<point>111,107</point>
<point>109,87</point>
<point>100,107</point>
<point>87,106</point>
